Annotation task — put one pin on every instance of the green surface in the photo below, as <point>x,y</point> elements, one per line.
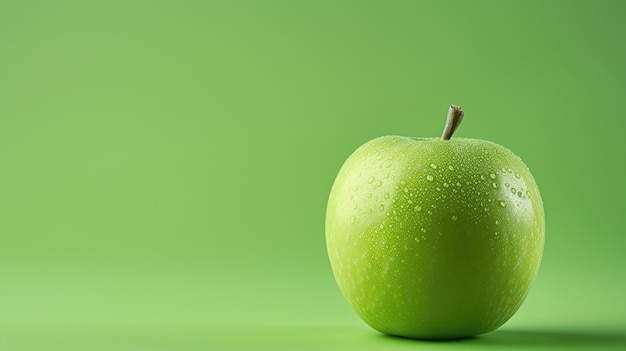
<point>165,166</point>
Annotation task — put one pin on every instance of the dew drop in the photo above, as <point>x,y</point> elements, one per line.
<point>510,170</point>
<point>388,164</point>
<point>514,191</point>
<point>402,182</point>
<point>438,188</point>
<point>506,184</point>
<point>517,176</point>
<point>418,208</point>
<point>502,203</point>
<point>423,230</point>
<point>458,184</point>
<point>451,168</point>
<point>482,177</point>
<point>503,170</point>
<point>430,178</point>
<point>379,183</point>
<point>406,190</point>
<point>371,180</point>
<point>454,218</point>
<point>497,222</point>
<point>521,194</point>
<point>417,239</point>
<point>386,195</point>
<point>493,176</point>
<point>445,185</point>
<point>381,227</point>
<point>381,207</point>
<point>352,219</point>
<point>494,185</point>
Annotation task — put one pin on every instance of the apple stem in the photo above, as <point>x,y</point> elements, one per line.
<point>455,116</point>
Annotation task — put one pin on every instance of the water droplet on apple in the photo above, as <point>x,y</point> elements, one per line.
<point>454,218</point>
<point>402,182</point>
<point>369,195</point>
<point>406,190</point>
<point>517,176</point>
<point>388,164</point>
<point>381,207</point>
<point>371,180</point>
<point>430,212</point>
<point>494,185</point>
<point>503,170</point>
<point>352,219</point>
<point>381,227</point>
<point>386,195</point>
<point>493,176</point>
<point>445,185</point>
<point>458,184</point>
<point>417,239</point>
<point>506,184</point>
<point>497,222</point>
<point>379,183</point>
<point>510,170</point>
<point>355,188</point>
<point>418,208</point>
<point>423,230</point>
<point>433,166</point>
<point>513,190</point>
<point>438,188</point>
<point>502,203</point>
<point>482,177</point>
<point>521,194</point>
<point>430,178</point>
<point>451,168</point>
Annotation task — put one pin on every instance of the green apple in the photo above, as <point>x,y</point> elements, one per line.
<point>434,238</point>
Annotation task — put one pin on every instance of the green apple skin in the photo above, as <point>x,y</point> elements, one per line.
<point>434,239</point>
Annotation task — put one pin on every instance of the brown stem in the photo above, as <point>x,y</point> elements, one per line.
<point>455,116</point>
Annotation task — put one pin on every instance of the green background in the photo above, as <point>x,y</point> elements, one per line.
<point>165,165</point>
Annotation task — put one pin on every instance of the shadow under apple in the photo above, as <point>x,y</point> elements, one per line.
<point>572,339</point>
